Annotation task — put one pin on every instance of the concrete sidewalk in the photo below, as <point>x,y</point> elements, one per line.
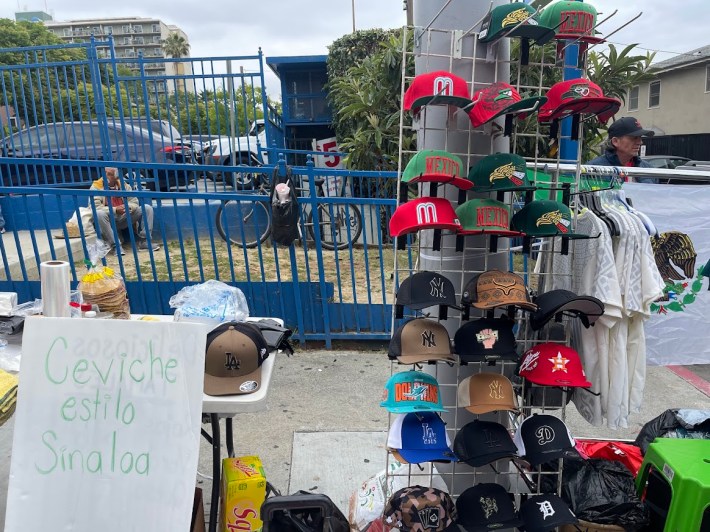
<point>337,394</point>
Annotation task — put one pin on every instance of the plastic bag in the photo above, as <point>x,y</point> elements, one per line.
<point>302,512</point>
<point>103,287</point>
<point>367,504</point>
<point>210,301</point>
<point>284,213</point>
<point>603,492</point>
<point>626,453</point>
<point>674,423</point>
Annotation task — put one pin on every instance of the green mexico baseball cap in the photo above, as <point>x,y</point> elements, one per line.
<point>542,218</point>
<point>572,20</point>
<point>438,166</point>
<point>502,19</point>
<point>485,216</point>
<point>501,172</point>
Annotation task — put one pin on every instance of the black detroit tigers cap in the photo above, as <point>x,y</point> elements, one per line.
<point>486,506</point>
<point>479,443</point>
<point>541,438</point>
<point>546,512</point>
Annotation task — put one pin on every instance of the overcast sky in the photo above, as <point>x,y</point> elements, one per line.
<point>306,27</point>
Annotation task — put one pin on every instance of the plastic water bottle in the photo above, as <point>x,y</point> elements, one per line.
<point>283,192</point>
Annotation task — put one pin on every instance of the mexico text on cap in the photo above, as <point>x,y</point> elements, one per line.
<point>572,20</point>
<point>479,443</point>
<point>558,302</point>
<point>420,340</point>
<point>542,513</point>
<point>423,213</point>
<point>541,438</point>
<point>419,509</point>
<point>552,364</point>
<point>420,437</point>
<point>541,218</point>
<point>514,20</point>
<point>501,99</point>
<point>502,172</point>
<point>485,216</point>
<point>436,166</point>
<point>485,340</point>
<point>440,87</point>
<point>412,391</point>
<point>494,288</point>
<point>577,96</point>
<point>233,359</point>
<point>426,289</point>
<point>486,506</point>
<point>486,392</point>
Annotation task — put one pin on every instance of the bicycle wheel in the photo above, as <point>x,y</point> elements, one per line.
<point>339,225</point>
<point>244,223</point>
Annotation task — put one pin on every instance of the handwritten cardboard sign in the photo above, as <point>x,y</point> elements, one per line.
<point>107,427</point>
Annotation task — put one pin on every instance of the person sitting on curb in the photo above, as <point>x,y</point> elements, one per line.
<point>118,205</point>
<point>623,146</point>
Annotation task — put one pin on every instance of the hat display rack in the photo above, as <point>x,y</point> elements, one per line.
<point>513,364</point>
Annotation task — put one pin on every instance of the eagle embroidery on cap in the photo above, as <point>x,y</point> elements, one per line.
<point>516,17</point>
<point>554,218</point>
<point>507,171</point>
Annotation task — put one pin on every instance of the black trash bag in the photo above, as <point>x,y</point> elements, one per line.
<point>275,335</point>
<point>603,492</point>
<point>656,428</point>
<point>302,512</point>
<point>284,214</point>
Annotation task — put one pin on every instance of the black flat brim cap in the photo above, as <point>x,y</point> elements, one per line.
<point>587,308</point>
<point>536,458</point>
<point>536,32</point>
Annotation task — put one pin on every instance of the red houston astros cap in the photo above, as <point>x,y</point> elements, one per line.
<point>423,213</point>
<point>551,364</point>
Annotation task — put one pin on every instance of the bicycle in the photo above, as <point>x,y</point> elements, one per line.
<point>248,223</point>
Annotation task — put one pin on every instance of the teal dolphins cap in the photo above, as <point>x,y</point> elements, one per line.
<point>412,391</point>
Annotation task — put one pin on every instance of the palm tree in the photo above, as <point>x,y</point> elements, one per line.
<point>176,46</point>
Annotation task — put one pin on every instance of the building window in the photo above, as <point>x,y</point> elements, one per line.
<point>707,78</point>
<point>126,28</point>
<point>137,29</point>
<point>634,98</point>
<point>155,28</point>
<point>654,94</point>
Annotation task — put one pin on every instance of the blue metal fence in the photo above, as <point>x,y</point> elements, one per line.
<point>74,116</point>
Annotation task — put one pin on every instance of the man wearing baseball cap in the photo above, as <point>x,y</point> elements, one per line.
<point>623,145</point>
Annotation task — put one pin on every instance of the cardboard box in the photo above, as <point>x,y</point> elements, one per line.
<point>243,492</point>
<point>198,513</point>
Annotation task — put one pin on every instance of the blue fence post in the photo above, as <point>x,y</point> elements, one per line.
<point>99,104</point>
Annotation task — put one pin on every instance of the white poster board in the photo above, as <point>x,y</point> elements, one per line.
<point>333,186</point>
<point>677,332</point>
<point>107,427</point>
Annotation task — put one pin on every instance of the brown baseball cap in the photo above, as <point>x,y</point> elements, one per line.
<point>495,288</point>
<point>420,340</point>
<point>486,392</point>
<point>235,353</point>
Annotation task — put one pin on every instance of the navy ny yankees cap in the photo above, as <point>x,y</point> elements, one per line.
<point>420,340</point>
<point>481,442</point>
<point>486,506</point>
<point>427,289</point>
<point>541,438</point>
<point>235,352</point>
<point>544,513</point>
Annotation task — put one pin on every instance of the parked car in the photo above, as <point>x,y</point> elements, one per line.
<point>240,151</point>
<point>165,128</point>
<point>664,161</point>
<point>81,142</point>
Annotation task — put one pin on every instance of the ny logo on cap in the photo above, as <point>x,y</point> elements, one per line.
<point>489,440</point>
<point>426,213</point>
<point>489,506</point>
<point>428,435</point>
<point>231,361</point>
<point>559,363</point>
<point>429,517</point>
<point>546,509</point>
<point>443,86</point>
<point>428,339</point>
<point>544,435</point>
<point>437,287</point>
<point>496,390</point>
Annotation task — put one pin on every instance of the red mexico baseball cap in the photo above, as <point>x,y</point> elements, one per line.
<point>440,87</point>
<point>423,213</point>
<point>501,99</point>
<point>577,96</point>
<point>552,364</point>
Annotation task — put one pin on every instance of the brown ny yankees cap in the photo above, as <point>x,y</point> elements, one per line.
<point>486,392</point>
<point>420,340</point>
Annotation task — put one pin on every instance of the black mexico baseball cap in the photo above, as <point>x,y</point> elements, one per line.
<point>541,438</point>
<point>544,513</point>
<point>486,506</point>
<point>426,289</point>
<point>550,304</point>
<point>481,442</point>
<point>485,340</point>
<point>628,125</point>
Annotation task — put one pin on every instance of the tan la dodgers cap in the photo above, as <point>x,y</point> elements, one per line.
<point>486,392</point>
<point>235,353</point>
